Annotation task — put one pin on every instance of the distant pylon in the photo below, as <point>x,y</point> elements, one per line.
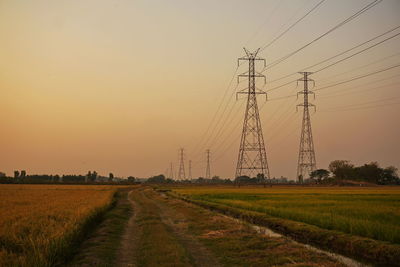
<point>306,162</point>
<point>181,173</point>
<point>252,158</point>
<point>171,171</point>
<point>208,169</point>
<point>190,169</point>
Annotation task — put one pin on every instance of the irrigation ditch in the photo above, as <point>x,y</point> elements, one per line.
<point>350,250</point>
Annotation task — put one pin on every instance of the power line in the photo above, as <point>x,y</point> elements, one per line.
<point>334,93</point>
<point>361,67</point>
<point>222,129</point>
<point>339,61</point>
<point>218,109</point>
<point>268,18</point>
<point>358,77</point>
<point>291,26</point>
<point>342,82</point>
<point>280,86</point>
<point>355,15</point>
<point>366,103</point>
<point>337,55</point>
<point>218,123</point>
<point>359,52</point>
<point>362,108</point>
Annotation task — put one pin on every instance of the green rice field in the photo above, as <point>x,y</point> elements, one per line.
<point>366,212</point>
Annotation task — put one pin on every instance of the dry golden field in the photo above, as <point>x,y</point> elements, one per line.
<point>38,222</point>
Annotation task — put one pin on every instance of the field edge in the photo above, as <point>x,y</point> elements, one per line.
<point>362,249</point>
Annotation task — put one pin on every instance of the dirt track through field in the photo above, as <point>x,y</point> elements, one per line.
<point>126,255</point>
<point>175,222</point>
<point>165,231</point>
<point>178,223</point>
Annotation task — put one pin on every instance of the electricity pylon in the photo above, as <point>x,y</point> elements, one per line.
<point>208,169</point>
<point>181,173</point>
<point>171,171</point>
<point>306,162</point>
<point>252,158</point>
<point>190,169</point>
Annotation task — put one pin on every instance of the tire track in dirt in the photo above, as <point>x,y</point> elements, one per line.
<point>178,224</point>
<point>127,255</point>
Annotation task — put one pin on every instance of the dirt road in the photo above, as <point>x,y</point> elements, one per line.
<point>165,231</point>
<point>148,228</point>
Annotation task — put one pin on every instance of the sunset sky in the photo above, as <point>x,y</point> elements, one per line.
<point>119,86</point>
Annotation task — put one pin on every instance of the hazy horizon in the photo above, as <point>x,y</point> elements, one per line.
<point>120,86</point>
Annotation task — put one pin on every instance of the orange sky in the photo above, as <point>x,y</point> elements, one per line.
<point>120,86</point>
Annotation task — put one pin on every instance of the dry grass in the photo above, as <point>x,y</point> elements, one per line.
<point>39,221</point>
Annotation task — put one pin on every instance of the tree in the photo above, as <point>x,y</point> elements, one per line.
<point>319,175</point>
<point>16,174</point>
<point>389,176</point>
<point>342,169</point>
<point>110,177</point>
<point>243,179</point>
<point>370,172</point>
<point>23,174</point>
<point>159,179</point>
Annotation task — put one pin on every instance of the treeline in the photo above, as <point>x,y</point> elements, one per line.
<point>340,170</point>
<point>20,177</point>
<point>161,179</point>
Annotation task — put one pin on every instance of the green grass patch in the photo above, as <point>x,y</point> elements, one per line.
<point>361,226</point>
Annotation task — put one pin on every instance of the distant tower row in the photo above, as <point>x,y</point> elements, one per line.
<point>181,172</point>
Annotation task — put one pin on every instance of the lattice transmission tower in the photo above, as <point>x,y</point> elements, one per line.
<point>208,168</point>
<point>252,158</point>
<point>181,173</point>
<point>171,171</point>
<point>306,163</point>
<point>190,169</point>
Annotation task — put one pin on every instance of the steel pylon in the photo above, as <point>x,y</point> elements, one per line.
<point>306,161</point>
<point>252,158</point>
<point>181,173</point>
<point>208,169</point>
